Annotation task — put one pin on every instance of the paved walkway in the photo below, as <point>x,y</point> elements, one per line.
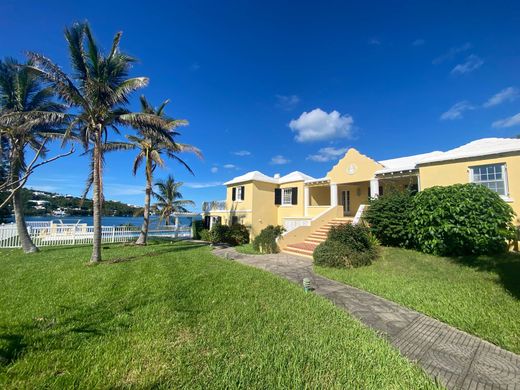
<point>456,359</point>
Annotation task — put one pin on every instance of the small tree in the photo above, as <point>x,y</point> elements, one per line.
<point>170,199</point>
<point>462,219</point>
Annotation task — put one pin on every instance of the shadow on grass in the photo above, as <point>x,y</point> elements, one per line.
<point>11,347</point>
<point>506,266</point>
<point>155,253</point>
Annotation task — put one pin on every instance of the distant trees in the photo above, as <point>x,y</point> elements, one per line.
<point>170,199</point>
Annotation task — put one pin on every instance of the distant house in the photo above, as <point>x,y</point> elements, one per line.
<point>304,205</point>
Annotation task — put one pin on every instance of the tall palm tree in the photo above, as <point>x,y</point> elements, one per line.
<point>153,144</point>
<point>28,118</point>
<point>170,199</point>
<point>98,87</point>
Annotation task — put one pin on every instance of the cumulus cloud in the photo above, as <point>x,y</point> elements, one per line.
<point>508,122</point>
<point>327,154</point>
<point>506,95</point>
<point>452,52</point>
<point>214,169</point>
<point>317,125</point>
<point>456,111</point>
<point>287,102</point>
<point>472,63</point>
<point>202,184</point>
<point>279,160</point>
<point>229,166</point>
<point>242,153</point>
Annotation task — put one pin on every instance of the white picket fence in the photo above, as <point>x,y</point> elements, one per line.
<point>48,233</point>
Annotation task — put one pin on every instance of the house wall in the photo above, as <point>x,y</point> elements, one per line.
<point>354,167</point>
<point>296,210</point>
<point>319,196</point>
<point>358,195</point>
<point>453,172</point>
<point>265,212</point>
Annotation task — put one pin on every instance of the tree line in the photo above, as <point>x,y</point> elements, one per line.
<point>40,103</point>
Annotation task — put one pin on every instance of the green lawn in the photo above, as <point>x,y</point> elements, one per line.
<point>247,249</point>
<point>175,316</point>
<point>478,295</point>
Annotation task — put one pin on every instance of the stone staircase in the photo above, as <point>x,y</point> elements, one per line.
<point>306,248</point>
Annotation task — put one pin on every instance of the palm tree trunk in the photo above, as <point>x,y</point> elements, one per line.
<point>25,239</point>
<point>96,204</point>
<point>143,236</point>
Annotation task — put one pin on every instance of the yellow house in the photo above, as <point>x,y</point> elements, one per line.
<point>307,207</point>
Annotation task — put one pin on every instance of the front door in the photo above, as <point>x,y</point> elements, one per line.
<point>346,202</point>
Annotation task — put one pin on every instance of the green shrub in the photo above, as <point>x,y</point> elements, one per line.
<point>389,218</point>
<point>265,242</point>
<point>347,245</point>
<point>197,227</point>
<point>204,235</point>
<point>337,254</point>
<point>238,235</point>
<point>219,234</point>
<point>461,219</point>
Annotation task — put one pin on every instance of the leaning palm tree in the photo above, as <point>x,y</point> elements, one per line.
<point>98,89</point>
<point>170,199</point>
<point>153,144</point>
<point>29,117</point>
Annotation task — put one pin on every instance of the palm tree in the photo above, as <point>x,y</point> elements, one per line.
<point>153,144</point>
<point>98,89</point>
<point>170,199</point>
<point>28,118</point>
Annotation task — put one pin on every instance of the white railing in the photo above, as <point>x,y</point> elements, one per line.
<point>214,205</point>
<point>70,234</point>
<point>291,223</point>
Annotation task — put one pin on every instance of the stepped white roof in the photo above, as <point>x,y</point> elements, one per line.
<point>259,176</point>
<point>480,147</point>
<point>404,163</point>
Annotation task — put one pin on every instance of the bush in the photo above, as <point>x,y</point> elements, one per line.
<point>462,219</point>
<point>389,218</point>
<point>238,235</point>
<point>265,242</point>
<point>198,226</point>
<point>204,235</point>
<point>347,246</point>
<point>219,234</point>
<point>337,254</point>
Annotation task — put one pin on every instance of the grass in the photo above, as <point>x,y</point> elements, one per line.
<point>175,316</point>
<point>478,295</point>
<point>247,249</point>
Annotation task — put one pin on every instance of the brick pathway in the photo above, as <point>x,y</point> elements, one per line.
<point>455,358</point>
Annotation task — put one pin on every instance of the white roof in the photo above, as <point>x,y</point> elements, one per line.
<point>319,180</point>
<point>404,163</point>
<point>480,147</point>
<point>259,176</point>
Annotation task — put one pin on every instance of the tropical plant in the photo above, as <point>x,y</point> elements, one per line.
<point>170,199</point>
<point>461,219</point>
<point>29,117</point>
<point>98,88</point>
<point>265,242</point>
<point>153,143</point>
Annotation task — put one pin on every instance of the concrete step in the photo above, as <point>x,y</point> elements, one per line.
<point>297,253</point>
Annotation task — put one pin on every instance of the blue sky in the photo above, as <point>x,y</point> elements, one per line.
<point>278,86</point>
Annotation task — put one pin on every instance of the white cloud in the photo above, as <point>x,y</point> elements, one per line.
<point>452,52</point>
<point>327,154</point>
<point>508,122</point>
<point>456,111</point>
<point>506,95</point>
<point>317,125</point>
<point>287,102</point>
<point>472,63</point>
<point>418,42</point>
<point>214,169</point>
<point>242,153</point>
<point>279,160</point>
<point>229,166</point>
<point>202,184</point>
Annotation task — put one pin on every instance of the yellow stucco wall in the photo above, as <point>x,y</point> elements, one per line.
<point>314,211</point>
<point>264,209</point>
<point>291,210</point>
<point>455,172</point>
<point>354,167</point>
<point>319,196</point>
<point>358,195</point>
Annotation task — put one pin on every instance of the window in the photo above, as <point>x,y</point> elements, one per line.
<point>239,193</point>
<point>286,196</point>
<point>492,176</point>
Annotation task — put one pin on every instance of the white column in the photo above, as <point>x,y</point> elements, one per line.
<point>333,195</point>
<point>374,188</point>
<point>306,199</point>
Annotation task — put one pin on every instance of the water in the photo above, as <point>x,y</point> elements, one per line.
<point>112,221</point>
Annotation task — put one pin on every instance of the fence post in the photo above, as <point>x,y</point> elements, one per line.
<point>74,236</point>
<point>113,234</point>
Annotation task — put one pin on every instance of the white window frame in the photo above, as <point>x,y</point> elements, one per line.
<point>286,202</point>
<point>504,178</point>
<point>238,194</point>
